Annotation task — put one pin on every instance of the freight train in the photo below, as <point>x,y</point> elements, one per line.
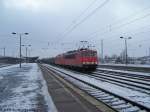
<point>83,59</point>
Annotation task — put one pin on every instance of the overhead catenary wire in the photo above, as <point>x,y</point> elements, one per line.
<point>79,16</point>
<point>137,41</point>
<point>125,24</point>
<point>131,32</point>
<point>82,13</point>
<point>122,25</point>
<point>85,18</point>
<point>112,26</point>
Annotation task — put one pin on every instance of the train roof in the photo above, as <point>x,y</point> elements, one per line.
<point>86,49</point>
<point>74,51</point>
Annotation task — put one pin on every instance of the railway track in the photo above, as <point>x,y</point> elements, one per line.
<point>133,68</point>
<point>137,82</point>
<point>135,75</point>
<point>113,100</point>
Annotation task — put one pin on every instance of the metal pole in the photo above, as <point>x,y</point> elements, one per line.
<point>29,52</point>
<point>20,50</point>
<point>26,53</point>
<point>4,51</point>
<point>14,33</point>
<point>149,51</point>
<point>149,55</point>
<point>126,49</point>
<point>102,50</point>
<point>126,55</point>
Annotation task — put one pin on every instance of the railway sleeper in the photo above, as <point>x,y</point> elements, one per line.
<point>113,100</point>
<point>98,94</point>
<point>107,98</point>
<point>89,89</point>
<point>119,102</point>
<point>135,109</point>
<point>123,107</point>
<point>102,96</point>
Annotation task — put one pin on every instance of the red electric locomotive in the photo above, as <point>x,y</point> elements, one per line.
<point>82,58</point>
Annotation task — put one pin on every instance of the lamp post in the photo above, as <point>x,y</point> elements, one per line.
<point>26,51</point>
<point>4,49</point>
<point>126,49</point>
<point>20,37</point>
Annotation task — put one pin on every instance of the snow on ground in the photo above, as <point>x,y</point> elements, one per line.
<point>24,90</point>
<point>129,65</point>
<point>7,67</point>
<point>133,95</point>
<point>125,71</point>
<point>1,77</point>
<point>4,64</point>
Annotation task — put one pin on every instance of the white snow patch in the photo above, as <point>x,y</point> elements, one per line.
<point>11,66</point>
<point>1,77</point>
<point>25,95</point>
<point>125,71</point>
<point>128,65</point>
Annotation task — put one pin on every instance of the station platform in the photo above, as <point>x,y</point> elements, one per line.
<point>68,100</point>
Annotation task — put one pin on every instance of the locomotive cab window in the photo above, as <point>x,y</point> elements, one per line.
<point>88,54</point>
<point>69,56</point>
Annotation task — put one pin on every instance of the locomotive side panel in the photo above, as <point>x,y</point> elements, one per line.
<point>70,59</point>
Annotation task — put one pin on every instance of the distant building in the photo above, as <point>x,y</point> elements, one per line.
<point>14,60</point>
<point>11,60</point>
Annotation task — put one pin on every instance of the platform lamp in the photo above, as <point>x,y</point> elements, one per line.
<point>20,38</point>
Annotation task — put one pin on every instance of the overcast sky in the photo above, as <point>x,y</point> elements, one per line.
<point>56,26</point>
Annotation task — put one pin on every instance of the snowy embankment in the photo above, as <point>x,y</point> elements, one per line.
<point>124,71</point>
<point>128,65</point>
<point>141,98</point>
<point>24,89</point>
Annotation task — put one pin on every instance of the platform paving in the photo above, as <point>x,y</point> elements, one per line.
<point>65,99</point>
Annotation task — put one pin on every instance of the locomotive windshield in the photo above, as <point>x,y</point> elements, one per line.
<point>89,53</point>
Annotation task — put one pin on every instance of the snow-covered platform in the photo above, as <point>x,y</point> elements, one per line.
<point>24,90</point>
